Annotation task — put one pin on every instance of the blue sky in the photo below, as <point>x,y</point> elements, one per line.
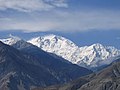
<point>83,21</point>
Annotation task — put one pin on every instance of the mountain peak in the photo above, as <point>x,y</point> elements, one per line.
<point>53,36</point>
<point>97,47</point>
<point>87,56</point>
<point>11,40</point>
<point>27,62</point>
<point>51,40</point>
<point>50,35</point>
<point>97,44</point>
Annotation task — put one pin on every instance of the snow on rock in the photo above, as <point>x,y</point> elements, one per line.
<point>11,40</point>
<point>91,56</point>
<point>87,56</point>
<point>55,44</point>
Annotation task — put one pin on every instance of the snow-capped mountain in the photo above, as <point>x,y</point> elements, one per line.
<point>55,44</point>
<point>26,66</point>
<point>11,40</point>
<point>92,56</point>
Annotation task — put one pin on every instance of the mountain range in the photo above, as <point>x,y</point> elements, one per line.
<point>24,66</point>
<point>92,57</point>
<point>54,63</point>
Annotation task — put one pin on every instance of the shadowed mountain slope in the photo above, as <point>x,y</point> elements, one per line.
<point>106,79</point>
<point>20,70</point>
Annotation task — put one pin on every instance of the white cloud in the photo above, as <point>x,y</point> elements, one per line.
<point>29,27</point>
<point>31,5</point>
<point>64,21</point>
<point>57,3</point>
